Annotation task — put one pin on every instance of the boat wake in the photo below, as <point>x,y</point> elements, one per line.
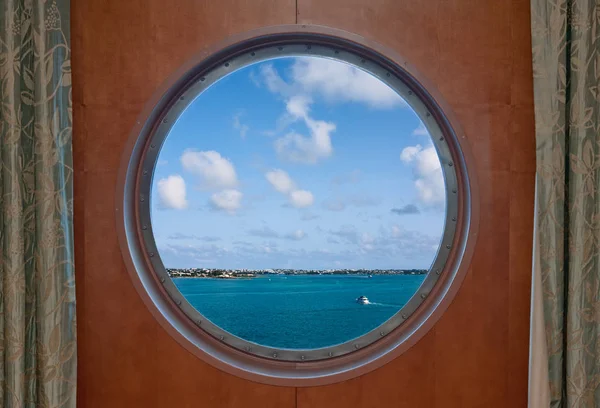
<point>385,305</point>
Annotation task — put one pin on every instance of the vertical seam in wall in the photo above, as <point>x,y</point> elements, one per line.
<point>296,388</point>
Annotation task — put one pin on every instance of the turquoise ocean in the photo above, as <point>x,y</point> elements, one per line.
<point>299,311</point>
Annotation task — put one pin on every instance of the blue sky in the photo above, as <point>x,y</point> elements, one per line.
<point>298,163</point>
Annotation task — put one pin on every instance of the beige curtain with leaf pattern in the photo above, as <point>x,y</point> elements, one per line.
<point>37,287</point>
<point>566,62</point>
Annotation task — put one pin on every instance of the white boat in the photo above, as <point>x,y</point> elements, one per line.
<point>363,300</point>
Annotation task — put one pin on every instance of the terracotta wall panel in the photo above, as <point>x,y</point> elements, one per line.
<point>476,54</point>
<point>122,52</point>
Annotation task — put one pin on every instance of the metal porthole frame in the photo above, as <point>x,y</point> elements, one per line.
<point>225,350</point>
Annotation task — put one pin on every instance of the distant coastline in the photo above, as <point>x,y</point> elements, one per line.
<point>249,273</point>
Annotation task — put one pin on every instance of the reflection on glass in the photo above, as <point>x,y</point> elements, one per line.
<point>298,203</point>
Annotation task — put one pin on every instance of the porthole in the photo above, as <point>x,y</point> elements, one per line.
<point>295,207</point>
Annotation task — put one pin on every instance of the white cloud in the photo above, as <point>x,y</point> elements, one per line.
<point>409,153</point>
<point>341,82</point>
<point>305,81</point>
<point>297,148</point>
<point>301,198</point>
<point>267,232</point>
<point>239,126</point>
<point>180,236</point>
<point>281,181</point>
<point>274,82</point>
<point>388,241</point>
<point>347,245</point>
<point>427,170</point>
<point>214,171</point>
<point>396,231</point>
<point>420,131</point>
<point>298,106</point>
<point>227,200</point>
<point>296,235</point>
<point>256,80</point>
<point>333,80</point>
<point>171,192</point>
<point>268,248</point>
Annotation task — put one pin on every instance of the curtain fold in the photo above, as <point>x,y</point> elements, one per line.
<point>539,390</point>
<point>566,66</point>
<point>37,285</point>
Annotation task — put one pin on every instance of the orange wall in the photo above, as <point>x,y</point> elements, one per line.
<point>478,56</point>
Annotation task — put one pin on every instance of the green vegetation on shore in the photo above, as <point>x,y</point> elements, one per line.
<point>247,273</point>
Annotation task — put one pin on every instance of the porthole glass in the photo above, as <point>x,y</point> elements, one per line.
<point>298,200</point>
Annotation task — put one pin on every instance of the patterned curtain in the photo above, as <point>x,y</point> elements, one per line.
<point>37,286</point>
<point>565,35</point>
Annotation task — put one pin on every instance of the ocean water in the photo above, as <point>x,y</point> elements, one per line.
<point>299,311</point>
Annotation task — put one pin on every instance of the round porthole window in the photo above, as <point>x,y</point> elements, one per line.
<point>295,207</point>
